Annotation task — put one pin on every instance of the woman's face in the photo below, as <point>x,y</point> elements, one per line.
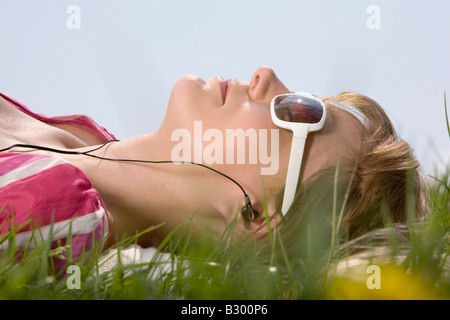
<point>227,125</point>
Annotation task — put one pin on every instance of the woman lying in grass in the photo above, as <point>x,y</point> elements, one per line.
<point>333,161</point>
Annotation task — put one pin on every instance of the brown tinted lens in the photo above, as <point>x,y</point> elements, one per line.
<point>298,109</point>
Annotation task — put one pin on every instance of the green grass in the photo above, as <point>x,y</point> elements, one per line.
<point>204,270</point>
<point>414,268</point>
<point>413,261</point>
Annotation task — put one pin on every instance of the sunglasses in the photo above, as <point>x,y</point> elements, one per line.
<point>300,113</point>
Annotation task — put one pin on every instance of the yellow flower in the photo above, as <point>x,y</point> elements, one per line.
<point>388,282</point>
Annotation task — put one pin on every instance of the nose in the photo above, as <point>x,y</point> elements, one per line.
<point>265,85</point>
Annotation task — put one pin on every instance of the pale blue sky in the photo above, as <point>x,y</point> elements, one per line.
<point>119,67</point>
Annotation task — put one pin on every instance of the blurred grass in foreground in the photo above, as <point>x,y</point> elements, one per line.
<point>413,264</point>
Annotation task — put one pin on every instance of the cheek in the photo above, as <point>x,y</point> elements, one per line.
<point>251,116</point>
<point>320,151</point>
<point>269,147</point>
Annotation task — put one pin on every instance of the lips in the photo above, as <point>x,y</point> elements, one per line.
<point>223,88</point>
<point>229,85</point>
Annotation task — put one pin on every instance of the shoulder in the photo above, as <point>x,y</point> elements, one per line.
<point>46,192</point>
<point>38,185</point>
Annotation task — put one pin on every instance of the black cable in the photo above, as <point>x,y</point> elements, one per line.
<point>88,153</point>
<point>43,148</point>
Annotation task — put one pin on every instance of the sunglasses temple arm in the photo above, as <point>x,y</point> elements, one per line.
<point>293,173</point>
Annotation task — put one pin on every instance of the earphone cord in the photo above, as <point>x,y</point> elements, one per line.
<point>88,153</point>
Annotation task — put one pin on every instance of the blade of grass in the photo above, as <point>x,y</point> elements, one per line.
<point>267,222</point>
<point>284,253</point>
<point>446,113</point>
<point>69,256</point>
<point>333,216</point>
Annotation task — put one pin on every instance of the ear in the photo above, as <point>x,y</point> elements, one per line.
<point>260,225</point>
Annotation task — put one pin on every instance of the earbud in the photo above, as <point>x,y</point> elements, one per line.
<point>247,210</point>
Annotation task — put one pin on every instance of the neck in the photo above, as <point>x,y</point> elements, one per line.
<point>139,195</point>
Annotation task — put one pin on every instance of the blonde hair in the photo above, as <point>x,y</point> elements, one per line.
<point>383,184</point>
<point>388,178</point>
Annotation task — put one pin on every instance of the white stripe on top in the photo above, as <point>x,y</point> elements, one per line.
<point>30,169</point>
<point>80,225</point>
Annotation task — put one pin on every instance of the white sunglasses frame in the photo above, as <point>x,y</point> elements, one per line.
<point>300,132</point>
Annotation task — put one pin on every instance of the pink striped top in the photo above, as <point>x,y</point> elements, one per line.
<point>46,192</point>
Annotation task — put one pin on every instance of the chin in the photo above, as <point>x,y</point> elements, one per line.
<point>188,84</point>
<point>186,95</point>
